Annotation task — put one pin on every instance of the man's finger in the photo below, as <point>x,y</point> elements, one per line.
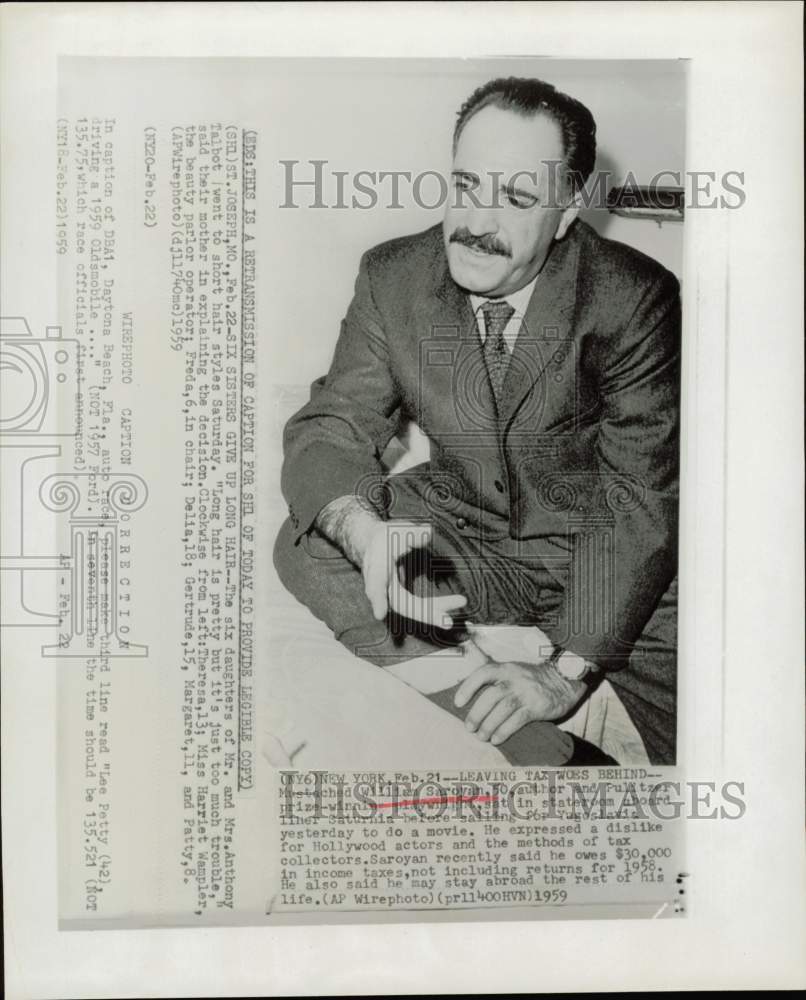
<point>485,703</point>
<point>378,603</point>
<point>375,577</point>
<point>443,607</point>
<point>510,726</point>
<point>503,710</point>
<point>470,685</point>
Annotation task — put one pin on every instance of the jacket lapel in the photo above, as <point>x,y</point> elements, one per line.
<point>547,327</point>
<point>472,382</point>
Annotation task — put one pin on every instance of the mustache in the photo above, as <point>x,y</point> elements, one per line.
<point>487,244</point>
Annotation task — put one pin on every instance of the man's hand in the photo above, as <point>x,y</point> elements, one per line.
<point>389,542</point>
<point>377,546</point>
<point>514,694</point>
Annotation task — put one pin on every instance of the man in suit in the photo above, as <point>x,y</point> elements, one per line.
<point>542,363</point>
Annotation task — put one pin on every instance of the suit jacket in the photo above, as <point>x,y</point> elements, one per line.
<point>579,461</point>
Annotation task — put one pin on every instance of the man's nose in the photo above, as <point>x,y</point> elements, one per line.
<point>481,220</point>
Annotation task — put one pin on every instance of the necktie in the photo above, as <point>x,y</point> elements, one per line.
<point>496,352</point>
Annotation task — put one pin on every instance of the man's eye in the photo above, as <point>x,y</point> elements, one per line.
<point>520,200</point>
<point>464,182</point>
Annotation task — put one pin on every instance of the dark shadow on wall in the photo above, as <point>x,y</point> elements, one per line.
<point>597,215</point>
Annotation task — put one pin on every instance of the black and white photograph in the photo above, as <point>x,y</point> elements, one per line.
<point>483,486</point>
<point>401,564</point>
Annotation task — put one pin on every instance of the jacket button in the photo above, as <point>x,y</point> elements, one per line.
<point>499,485</point>
<point>461,523</point>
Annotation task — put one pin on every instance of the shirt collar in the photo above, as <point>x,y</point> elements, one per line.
<point>518,300</point>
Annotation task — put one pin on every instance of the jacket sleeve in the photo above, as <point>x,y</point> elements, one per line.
<point>332,446</point>
<point>624,545</point>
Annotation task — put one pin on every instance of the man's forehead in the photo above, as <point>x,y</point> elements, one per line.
<point>496,140</point>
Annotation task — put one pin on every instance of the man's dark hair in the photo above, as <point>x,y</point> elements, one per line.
<point>532,97</point>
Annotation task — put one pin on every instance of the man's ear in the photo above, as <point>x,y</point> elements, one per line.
<point>569,214</point>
